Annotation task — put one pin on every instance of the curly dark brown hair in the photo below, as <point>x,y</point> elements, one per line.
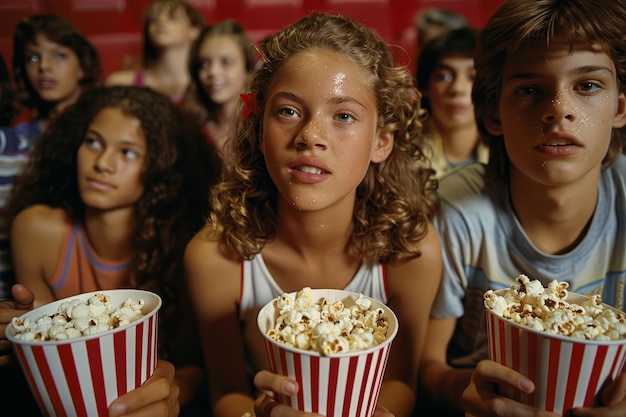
<point>392,207</point>
<point>179,169</point>
<point>58,30</point>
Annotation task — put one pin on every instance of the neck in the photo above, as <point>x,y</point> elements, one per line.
<point>459,144</point>
<point>172,64</point>
<point>111,233</point>
<point>313,234</point>
<point>555,218</point>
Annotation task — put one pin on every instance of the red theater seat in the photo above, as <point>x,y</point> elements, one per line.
<point>376,14</point>
<point>208,9</point>
<point>12,11</point>
<point>98,16</point>
<point>263,16</point>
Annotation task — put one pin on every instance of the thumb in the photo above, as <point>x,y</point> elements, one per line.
<point>22,297</point>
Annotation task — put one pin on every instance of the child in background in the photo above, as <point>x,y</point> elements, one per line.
<point>221,60</point>
<point>326,187</point>
<point>14,152</point>
<point>169,29</point>
<point>445,74</point>
<point>115,189</point>
<point>550,96</point>
<point>434,22</point>
<point>53,64</point>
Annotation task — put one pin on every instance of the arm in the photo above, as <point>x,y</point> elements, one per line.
<point>124,77</point>
<point>412,287</point>
<point>37,235</point>
<point>215,296</point>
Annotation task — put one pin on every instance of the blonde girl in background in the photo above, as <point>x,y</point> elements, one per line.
<point>326,187</point>
<point>221,60</point>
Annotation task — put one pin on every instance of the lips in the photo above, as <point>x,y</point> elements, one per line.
<point>558,139</point>
<point>309,170</point>
<point>47,83</point>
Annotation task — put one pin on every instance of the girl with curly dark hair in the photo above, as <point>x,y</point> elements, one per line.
<point>326,187</point>
<point>114,190</point>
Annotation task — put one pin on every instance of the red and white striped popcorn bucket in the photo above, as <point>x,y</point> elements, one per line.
<point>339,385</point>
<point>82,376</point>
<point>567,372</point>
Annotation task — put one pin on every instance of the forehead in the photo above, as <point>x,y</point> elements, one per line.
<point>542,54</point>
<point>322,63</point>
<point>220,42</point>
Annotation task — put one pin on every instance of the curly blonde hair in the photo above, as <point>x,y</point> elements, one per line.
<point>392,208</point>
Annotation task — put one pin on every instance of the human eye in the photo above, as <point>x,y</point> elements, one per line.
<point>61,56</point>
<point>92,143</point>
<point>205,64</point>
<point>227,62</point>
<point>589,86</point>
<point>130,153</point>
<point>526,91</point>
<point>32,58</point>
<point>444,76</point>
<point>345,117</point>
<point>288,112</point>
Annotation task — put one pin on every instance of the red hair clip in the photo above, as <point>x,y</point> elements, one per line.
<point>250,105</point>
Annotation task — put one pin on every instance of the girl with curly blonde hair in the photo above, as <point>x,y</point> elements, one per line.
<point>326,188</point>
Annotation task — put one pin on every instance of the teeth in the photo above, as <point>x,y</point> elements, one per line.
<point>310,170</point>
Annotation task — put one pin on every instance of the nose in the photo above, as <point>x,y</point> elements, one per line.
<point>311,136</point>
<point>558,107</point>
<point>461,84</point>
<point>44,62</point>
<point>105,162</point>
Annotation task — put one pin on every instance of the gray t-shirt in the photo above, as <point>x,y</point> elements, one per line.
<point>485,247</point>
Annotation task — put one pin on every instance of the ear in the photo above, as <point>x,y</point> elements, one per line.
<point>493,125</point>
<point>383,147</point>
<point>619,120</point>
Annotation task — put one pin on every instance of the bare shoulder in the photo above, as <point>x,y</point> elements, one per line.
<point>422,273</point>
<point>123,77</point>
<point>212,272</point>
<point>40,222</point>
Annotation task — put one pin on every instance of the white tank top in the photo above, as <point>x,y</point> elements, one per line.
<point>259,288</point>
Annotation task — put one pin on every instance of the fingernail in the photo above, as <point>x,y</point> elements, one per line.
<point>290,387</point>
<point>117,409</point>
<point>526,385</point>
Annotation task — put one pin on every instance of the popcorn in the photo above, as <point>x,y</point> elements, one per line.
<point>328,327</point>
<point>530,304</point>
<point>76,318</point>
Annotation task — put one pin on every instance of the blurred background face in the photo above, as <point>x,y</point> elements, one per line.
<point>222,68</point>
<point>54,70</point>
<point>170,26</point>
<point>450,92</point>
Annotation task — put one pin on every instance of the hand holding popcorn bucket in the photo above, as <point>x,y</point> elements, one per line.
<point>336,378</point>
<point>568,370</point>
<point>79,374</point>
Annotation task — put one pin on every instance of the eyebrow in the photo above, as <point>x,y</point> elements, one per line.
<point>124,142</point>
<point>585,69</point>
<point>333,100</point>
